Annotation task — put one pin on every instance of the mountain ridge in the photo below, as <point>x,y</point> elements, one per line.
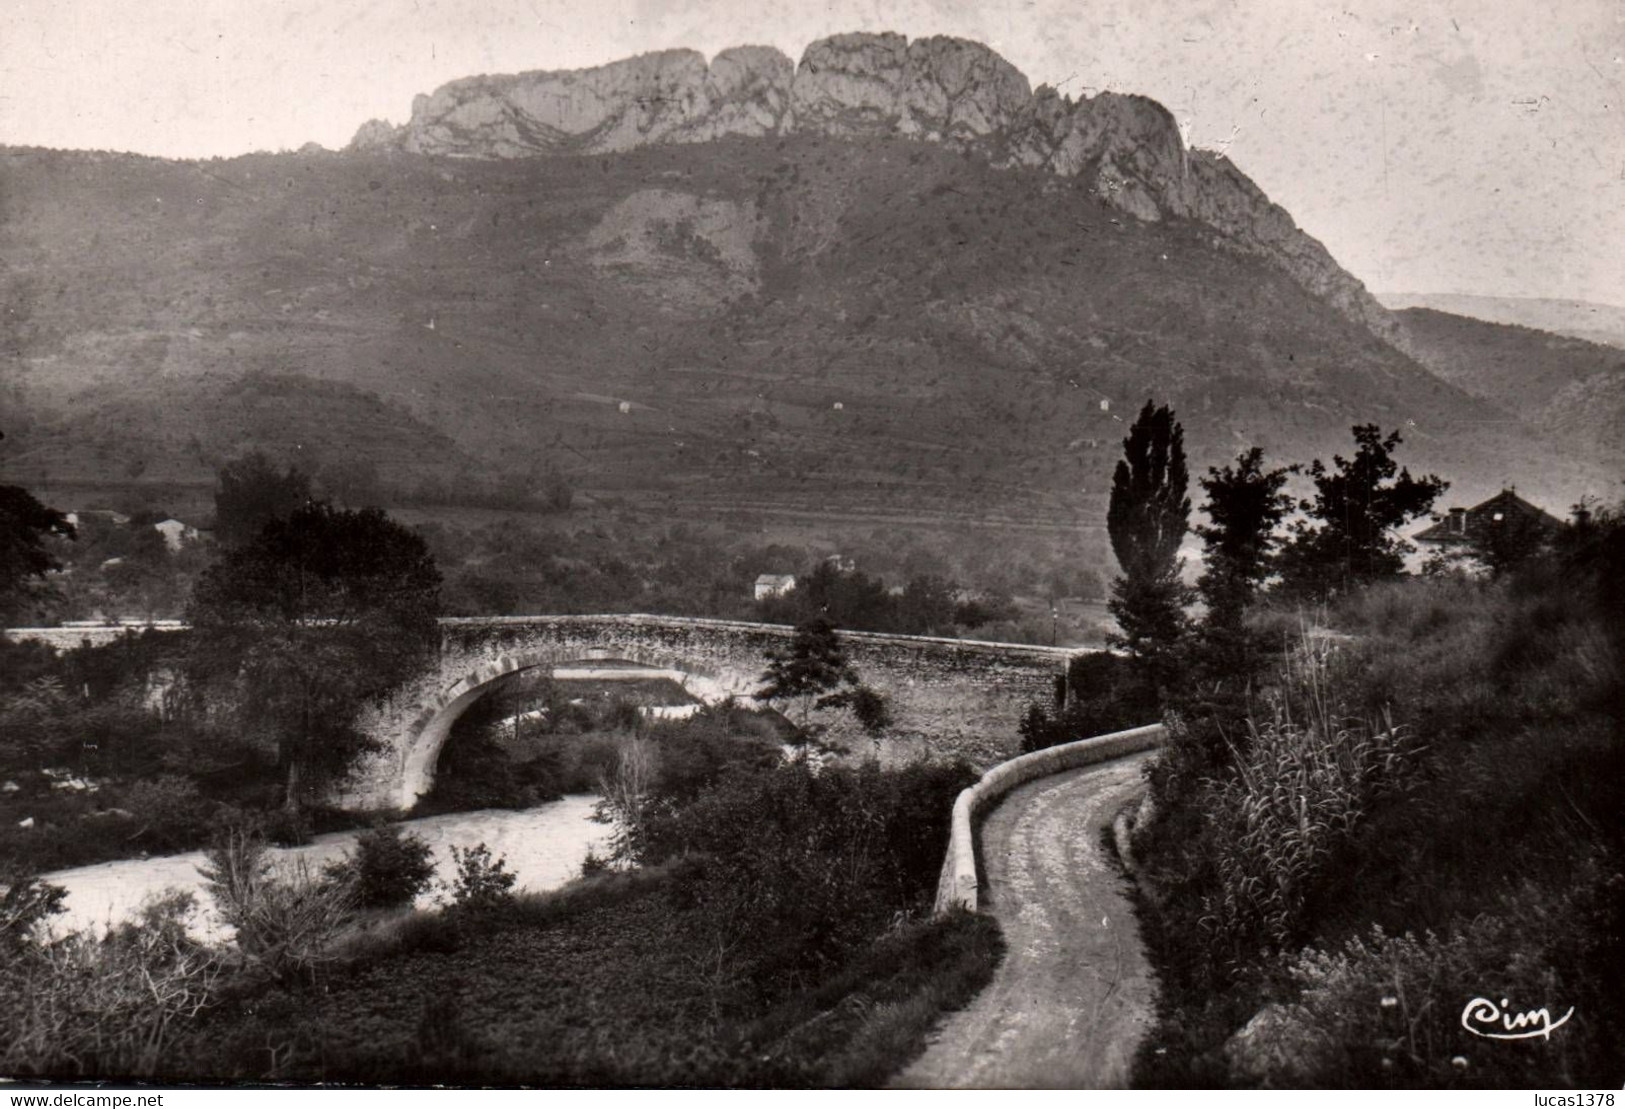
<point>870,325</point>
<point>942,297</point>
<point>1591,321</point>
<point>1127,148</point>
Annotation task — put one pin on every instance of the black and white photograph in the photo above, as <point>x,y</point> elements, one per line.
<point>755,544</point>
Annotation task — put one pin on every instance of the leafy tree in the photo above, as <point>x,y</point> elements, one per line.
<point>1245,505</point>
<point>1147,518</point>
<point>24,525</point>
<point>1507,544</point>
<point>928,605</point>
<point>250,492</point>
<point>321,612</point>
<point>849,598</point>
<point>1350,538</point>
<point>814,672</point>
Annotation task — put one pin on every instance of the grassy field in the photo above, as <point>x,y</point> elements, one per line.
<point>609,984</point>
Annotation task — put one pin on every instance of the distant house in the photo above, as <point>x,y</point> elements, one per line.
<point>176,534</point>
<point>79,516</point>
<point>1478,525</point>
<point>774,585</point>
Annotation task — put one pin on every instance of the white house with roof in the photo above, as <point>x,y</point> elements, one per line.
<point>176,534</point>
<point>774,585</point>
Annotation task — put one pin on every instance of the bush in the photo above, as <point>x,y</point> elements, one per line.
<point>626,797</point>
<point>389,867</point>
<point>285,925</point>
<point>106,1008</point>
<point>24,907</point>
<point>482,885</point>
<point>806,864</point>
<point>284,827</point>
<point>1388,1011</point>
<point>1300,791</point>
<point>1109,693</point>
<point>171,812</point>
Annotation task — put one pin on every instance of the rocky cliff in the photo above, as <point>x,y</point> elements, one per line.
<point>1127,149</point>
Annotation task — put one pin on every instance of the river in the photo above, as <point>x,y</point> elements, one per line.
<point>544,847</point>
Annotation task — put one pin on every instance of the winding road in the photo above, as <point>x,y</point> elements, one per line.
<point>1073,996</point>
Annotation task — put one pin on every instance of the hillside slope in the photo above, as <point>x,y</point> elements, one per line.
<point>891,280</point>
<point>1578,319</point>
<point>799,320</point>
<point>1565,387</point>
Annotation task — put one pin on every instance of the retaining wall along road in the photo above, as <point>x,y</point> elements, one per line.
<point>960,880</point>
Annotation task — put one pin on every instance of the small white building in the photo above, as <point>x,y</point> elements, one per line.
<point>774,585</point>
<point>176,534</point>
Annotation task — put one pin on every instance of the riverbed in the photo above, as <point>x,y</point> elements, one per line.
<point>544,847</point>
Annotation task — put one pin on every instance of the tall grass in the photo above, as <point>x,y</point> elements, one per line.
<point>1287,882</point>
<point>1300,785</point>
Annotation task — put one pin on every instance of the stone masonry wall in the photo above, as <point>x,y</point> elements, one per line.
<point>949,698</point>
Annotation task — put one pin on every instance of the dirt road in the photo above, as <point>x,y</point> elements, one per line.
<point>1073,996</point>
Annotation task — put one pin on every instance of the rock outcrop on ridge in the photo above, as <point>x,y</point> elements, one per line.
<point>1127,149</point>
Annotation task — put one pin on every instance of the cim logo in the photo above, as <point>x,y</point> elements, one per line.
<point>1481,1013</point>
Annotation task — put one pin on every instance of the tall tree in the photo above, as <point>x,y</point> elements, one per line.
<point>25,524</point>
<point>250,492</point>
<point>319,613</point>
<point>1147,518</point>
<point>1351,536</point>
<point>1245,507</point>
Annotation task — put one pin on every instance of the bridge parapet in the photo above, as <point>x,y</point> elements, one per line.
<point>949,698</point>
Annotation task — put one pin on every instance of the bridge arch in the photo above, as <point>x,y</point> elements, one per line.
<point>427,733</point>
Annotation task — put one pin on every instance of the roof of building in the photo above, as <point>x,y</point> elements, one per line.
<point>1461,525</point>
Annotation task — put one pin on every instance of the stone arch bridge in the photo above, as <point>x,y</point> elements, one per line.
<point>949,697</point>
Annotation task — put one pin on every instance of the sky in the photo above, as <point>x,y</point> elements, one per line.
<point>1433,146</point>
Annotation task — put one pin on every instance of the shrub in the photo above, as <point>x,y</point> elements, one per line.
<point>284,827</point>
<point>805,864</point>
<point>169,810</point>
<point>105,1008</point>
<point>695,754</point>
<point>24,906</point>
<point>285,925</point>
<point>1388,1010</point>
<point>1109,693</point>
<point>583,760</point>
<point>1498,844</point>
<point>389,867</point>
<point>482,885</point>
